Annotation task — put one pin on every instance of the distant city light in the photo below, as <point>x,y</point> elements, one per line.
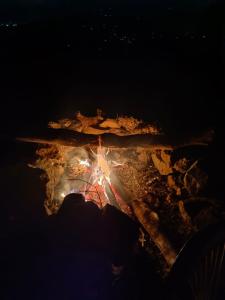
<point>8,25</point>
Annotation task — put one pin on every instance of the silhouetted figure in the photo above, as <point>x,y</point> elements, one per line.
<point>133,274</point>
<point>120,234</point>
<point>76,265</point>
<point>76,224</point>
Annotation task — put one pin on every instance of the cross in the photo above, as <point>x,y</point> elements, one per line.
<point>142,239</point>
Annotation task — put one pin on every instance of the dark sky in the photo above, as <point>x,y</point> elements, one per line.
<point>90,2</point>
<point>27,10</point>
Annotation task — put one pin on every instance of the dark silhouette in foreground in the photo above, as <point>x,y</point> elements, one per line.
<point>82,252</point>
<point>77,264</point>
<point>199,272</point>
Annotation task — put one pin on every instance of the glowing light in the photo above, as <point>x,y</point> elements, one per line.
<point>101,172</point>
<point>99,186</point>
<point>84,163</point>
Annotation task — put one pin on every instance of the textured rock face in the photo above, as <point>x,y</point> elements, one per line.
<point>121,126</point>
<point>161,186</point>
<point>156,190</point>
<point>161,162</point>
<point>195,179</point>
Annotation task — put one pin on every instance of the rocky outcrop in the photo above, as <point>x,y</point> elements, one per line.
<point>156,177</point>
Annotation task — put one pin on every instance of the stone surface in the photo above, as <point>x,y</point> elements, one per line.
<point>182,165</point>
<point>195,179</point>
<point>161,165</point>
<point>172,184</point>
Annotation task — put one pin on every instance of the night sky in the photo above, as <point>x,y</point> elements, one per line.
<point>26,11</point>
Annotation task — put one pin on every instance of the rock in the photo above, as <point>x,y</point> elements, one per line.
<point>92,130</point>
<point>182,165</point>
<point>128,123</point>
<point>166,157</point>
<point>195,179</point>
<point>142,156</point>
<point>173,185</point>
<point>97,125</point>
<point>151,223</point>
<point>185,216</point>
<point>154,218</point>
<point>162,164</point>
<point>110,123</point>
